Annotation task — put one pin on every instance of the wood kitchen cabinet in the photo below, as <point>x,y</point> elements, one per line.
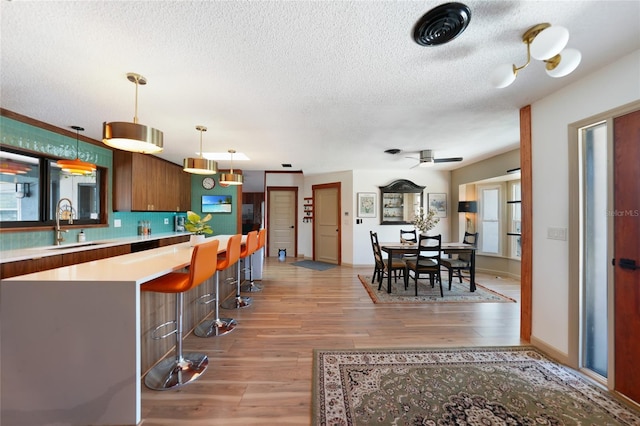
<point>146,183</point>
<point>94,254</point>
<point>23,267</point>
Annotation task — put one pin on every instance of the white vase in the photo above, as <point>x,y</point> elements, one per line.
<point>196,239</point>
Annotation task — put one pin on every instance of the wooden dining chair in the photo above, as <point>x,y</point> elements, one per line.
<point>427,262</point>
<point>384,266</point>
<point>408,236</point>
<point>463,260</point>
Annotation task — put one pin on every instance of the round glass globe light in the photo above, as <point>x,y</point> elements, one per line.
<point>569,61</point>
<point>503,76</point>
<point>549,42</point>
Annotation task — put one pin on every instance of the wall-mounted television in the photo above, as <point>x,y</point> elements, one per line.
<point>216,203</point>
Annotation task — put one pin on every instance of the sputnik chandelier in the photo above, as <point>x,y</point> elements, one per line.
<point>545,43</point>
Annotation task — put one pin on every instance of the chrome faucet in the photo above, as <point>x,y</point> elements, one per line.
<point>59,238</point>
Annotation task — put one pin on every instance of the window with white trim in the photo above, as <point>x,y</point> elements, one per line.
<point>489,219</point>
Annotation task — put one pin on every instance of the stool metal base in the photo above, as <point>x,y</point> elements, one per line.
<point>237,302</point>
<point>171,373</point>
<point>216,327</point>
<point>250,287</point>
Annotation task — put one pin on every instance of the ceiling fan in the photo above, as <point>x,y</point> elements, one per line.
<point>427,158</point>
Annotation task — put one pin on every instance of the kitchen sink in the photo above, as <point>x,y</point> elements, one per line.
<point>71,246</point>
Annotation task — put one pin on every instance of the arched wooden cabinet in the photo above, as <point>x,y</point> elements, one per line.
<point>399,202</point>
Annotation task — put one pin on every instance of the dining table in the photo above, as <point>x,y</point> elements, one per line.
<point>394,249</point>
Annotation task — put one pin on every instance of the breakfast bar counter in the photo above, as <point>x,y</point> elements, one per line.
<point>72,338</point>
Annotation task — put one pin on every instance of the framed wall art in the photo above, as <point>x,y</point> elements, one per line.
<point>438,202</point>
<point>366,204</point>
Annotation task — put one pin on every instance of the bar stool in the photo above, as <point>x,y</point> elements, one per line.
<point>221,326</point>
<point>183,368</point>
<point>251,286</point>
<point>250,246</point>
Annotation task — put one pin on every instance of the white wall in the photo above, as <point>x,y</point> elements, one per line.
<point>611,87</point>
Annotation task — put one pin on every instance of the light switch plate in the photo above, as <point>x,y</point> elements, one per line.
<point>117,223</point>
<point>557,234</point>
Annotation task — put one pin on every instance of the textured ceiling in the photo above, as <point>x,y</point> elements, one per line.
<point>325,86</point>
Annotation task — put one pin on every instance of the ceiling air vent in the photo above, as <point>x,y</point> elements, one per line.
<point>441,24</point>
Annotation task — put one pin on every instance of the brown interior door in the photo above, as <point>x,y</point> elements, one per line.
<point>326,223</point>
<point>282,220</point>
<point>627,254</point>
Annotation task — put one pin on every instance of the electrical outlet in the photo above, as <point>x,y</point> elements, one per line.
<point>166,221</point>
<point>117,223</point>
<point>557,234</point>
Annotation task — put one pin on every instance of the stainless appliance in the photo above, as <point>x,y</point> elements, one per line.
<point>178,223</point>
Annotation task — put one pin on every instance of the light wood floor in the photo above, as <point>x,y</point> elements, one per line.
<point>261,373</point>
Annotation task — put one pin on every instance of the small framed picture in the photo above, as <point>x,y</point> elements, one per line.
<point>438,202</point>
<point>366,204</point>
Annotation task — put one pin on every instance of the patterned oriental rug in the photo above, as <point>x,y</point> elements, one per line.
<point>457,386</point>
<point>459,292</point>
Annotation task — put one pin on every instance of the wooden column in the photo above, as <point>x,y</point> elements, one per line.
<point>526,271</point>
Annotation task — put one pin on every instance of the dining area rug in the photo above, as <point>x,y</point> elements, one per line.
<point>426,294</point>
<point>457,386</point>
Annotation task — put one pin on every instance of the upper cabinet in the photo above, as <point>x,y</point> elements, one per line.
<point>146,183</point>
<point>400,201</point>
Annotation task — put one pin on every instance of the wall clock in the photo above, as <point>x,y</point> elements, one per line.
<point>208,183</point>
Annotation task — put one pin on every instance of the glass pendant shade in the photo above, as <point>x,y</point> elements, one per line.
<point>549,42</point>
<point>76,167</point>
<point>503,76</point>
<point>200,166</point>
<point>568,62</point>
<point>133,137</point>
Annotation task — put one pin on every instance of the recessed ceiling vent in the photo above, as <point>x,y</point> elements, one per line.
<point>441,24</point>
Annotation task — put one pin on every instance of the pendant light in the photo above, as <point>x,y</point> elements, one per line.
<point>10,167</point>
<point>77,167</point>
<point>200,166</point>
<point>231,178</point>
<point>133,137</point>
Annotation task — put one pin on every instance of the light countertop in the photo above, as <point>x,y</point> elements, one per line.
<point>137,267</point>
<point>51,250</point>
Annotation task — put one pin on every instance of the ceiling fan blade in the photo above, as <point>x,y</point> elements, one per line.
<point>414,159</point>
<point>447,160</point>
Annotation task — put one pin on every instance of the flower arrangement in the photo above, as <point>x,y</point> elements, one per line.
<point>425,223</point>
<point>198,225</point>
